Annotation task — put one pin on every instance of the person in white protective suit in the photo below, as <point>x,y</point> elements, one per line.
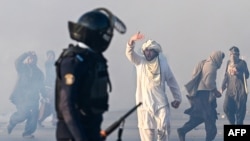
<point>153,73</point>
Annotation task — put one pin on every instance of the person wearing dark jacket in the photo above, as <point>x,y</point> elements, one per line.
<point>82,77</point>
<point>236,87</point>
<point>26,94</point>
<point>203,97</point>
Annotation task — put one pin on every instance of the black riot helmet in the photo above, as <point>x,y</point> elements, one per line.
<point>95,29</point>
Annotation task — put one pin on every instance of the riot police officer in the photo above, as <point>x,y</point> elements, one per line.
<point>82,81</point>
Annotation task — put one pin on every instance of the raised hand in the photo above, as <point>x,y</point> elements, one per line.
<point>135,37</point>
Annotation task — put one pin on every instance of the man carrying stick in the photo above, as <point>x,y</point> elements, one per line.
<point>236,93</point>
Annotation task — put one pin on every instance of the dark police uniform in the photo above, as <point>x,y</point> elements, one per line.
<point>81,94</point>
<point>82,77</point>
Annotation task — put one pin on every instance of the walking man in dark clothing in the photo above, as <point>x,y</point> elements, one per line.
<point>235,84</point>
<point>202,97</point>
<point>26,94</point>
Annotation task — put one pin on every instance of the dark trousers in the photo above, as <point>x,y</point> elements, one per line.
<point>92,126</point>
<point>47,108</point>
<point>203,111</point>
<point>193,122</point>
<point>28,114</point>
<point>235,108</point>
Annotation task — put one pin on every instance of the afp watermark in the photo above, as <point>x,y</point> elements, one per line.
<point>241,132</point>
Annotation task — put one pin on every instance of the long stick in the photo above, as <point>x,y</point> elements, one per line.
<point>116,124</point>
<point>244,79</point>
<point>245,83</point>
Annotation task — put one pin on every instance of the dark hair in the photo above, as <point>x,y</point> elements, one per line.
<point>223,55</point>
<point>234,50</point>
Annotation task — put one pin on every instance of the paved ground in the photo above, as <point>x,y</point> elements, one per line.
<point>130,132</point>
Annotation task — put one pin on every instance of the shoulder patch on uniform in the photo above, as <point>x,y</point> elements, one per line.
<point>79,58</point>
<point>69,78</point>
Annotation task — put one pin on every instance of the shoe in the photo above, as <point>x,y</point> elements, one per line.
<point>28,136</point>
<point>10,127</point>
<point>181,134</point>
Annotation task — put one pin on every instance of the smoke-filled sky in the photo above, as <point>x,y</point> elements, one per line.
<point>188,31</point>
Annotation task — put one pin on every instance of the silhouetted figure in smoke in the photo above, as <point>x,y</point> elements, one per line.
<point>26,94</point>
<point>47,106</point>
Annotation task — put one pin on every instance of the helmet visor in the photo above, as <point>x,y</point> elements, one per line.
<point>114,20</point>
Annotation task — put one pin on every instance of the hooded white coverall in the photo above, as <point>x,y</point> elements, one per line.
<point>154,114</point>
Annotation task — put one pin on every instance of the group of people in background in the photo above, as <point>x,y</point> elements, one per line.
<point>33,94</point>
<point>82,84</point>
<point>202,93</point>
<point>153,71</point>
